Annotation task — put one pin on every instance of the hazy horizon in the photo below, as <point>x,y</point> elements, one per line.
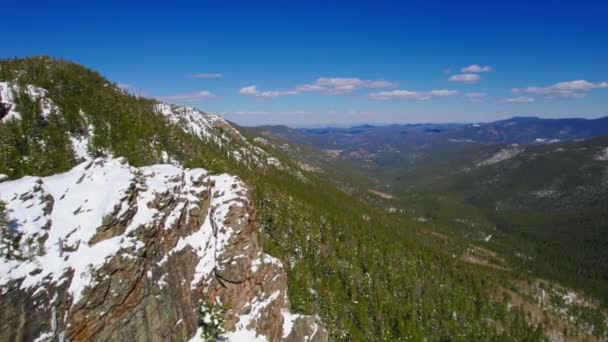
<point>379,123</point>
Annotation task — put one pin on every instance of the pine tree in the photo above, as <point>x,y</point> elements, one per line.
<point>211,321</point>
<point>9,236</point>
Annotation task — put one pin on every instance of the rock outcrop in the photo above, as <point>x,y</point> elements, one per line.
<point>110,252</point>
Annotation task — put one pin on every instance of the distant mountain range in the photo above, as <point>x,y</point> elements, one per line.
<point>369,139</point>
<point>534,189</point>
<point>533,130</point>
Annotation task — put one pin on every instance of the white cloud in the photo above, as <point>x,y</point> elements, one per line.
<point>568,89</point>
<point>519,99</point>
<point>476,97</point>
<point>477,68</point>
<point>343,85</point>
<point>250,90</point>
<point>248,112</point>
<point>465,78</point>
<point>207,75</point>
<point>412,95</point>
<point>204,95</point>
<point>326,85</point>
<point>253,91</point>
<point>309,87</point>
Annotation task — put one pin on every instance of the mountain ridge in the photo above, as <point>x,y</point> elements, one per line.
<point>41,253</point>
<point>364,271</point>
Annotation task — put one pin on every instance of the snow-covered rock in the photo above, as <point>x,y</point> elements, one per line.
<point>108,251</point>
<point>8,94</point>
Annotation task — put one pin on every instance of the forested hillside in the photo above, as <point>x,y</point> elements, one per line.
<point>546,198</point>
<point>369,274</point>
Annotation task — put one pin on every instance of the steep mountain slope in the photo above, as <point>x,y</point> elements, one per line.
<point>539,209</point>
<point>95,252</point>
<point>137,260</point>
<point>364,273</point>
<point>57,112</point>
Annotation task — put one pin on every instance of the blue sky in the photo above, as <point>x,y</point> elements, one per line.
<point>308,63</point>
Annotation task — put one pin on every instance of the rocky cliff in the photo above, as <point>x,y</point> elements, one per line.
<point>107,251</point>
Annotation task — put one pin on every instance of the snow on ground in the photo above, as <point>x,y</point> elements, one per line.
<point>245,336</point>
<point>80,144</point>
<point>80,147</point>
<point>68,224</point>
<point>502,155</point>
<point>234,336</point>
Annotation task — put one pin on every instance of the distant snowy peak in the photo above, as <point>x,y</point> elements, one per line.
<point>9,92</point>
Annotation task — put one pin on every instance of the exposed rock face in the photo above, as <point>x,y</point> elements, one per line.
<point>109,252</point>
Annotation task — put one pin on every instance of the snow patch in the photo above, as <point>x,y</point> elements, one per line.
<point>502,155</point>
<point>245,336</point>
<point>548,193</point>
